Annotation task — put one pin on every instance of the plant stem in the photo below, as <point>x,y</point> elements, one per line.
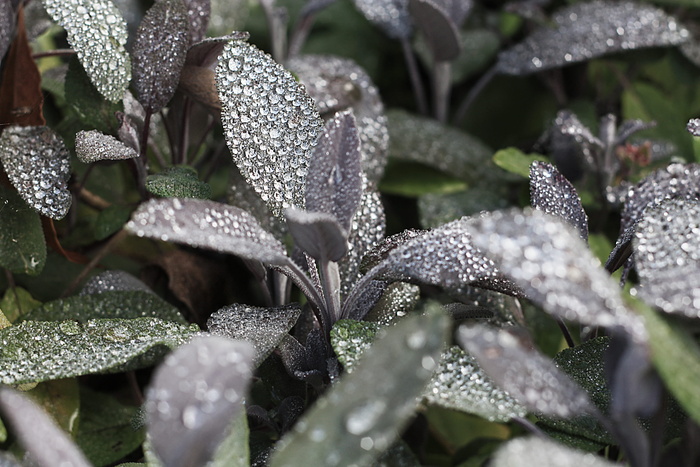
<point>565,331</point>
<point>54,53</point>
<point>414,74</point>
<point>185,131</point>
<point>277,22</point>
<point>301,32</point>
<point>330,284</point>
<point>473,94</point>
<point>442,76</point>
<point>531,427</point>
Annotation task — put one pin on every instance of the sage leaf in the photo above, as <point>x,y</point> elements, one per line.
<point>198,12</point>
<point>43,350</point>
<point>113,280</point>
<point>206,224</point>
<point>398,299</point>
<point>194,396</point>
<point>539,452</point>
<point>270,124</point>
<point>178,182</point>
<point>552,193</point>
<point>38,433</point>
<point>93,146</point>
<point>159,53</point>
<point>531,378</point>
<point>334,181</point>
<point>435,210</point>
<point>22,244</point>
<point>339,84</point>
<point>436,24</point>
<point>116,304</point>
<point>234,450</point>
<point>354,422</point>
<point>515,161</point>
<point>317,234</point>
<point>616,26</point>
<point>7,25</point>
<point>97,32</point>
<point>38,164</point>
<point>391,16</point>
<point>667,256</point>
<point>555,268</point>
<point>263,328</point>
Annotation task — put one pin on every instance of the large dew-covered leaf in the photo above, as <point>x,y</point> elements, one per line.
<point>552,193</point>
<point>530,377</point>
<point>338,84</point>
<point>361,415</point>
<point>193,397</point>
<point>555,268</point>
<point>93,146</point>
<point>271,125</point>
<point>38,433</point>
<point>159,53</point>
<point>207,224</point>
<point>667,256</point>
<point>38,164</point>
<point>264,328</point>
<point>391,16</point>
<point>591,29</point>
<point>334,182</point>
<point>22,245</point>
<point>114,304</point>
<point>539,452</point>
<point>98,34</point>
<point>43,350</point>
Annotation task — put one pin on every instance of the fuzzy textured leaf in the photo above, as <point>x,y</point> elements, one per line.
<point>186,422</point>
<point>588,30</point>
<point>264,328</point>
<point>391,16</point>
<point>35,351</point>
<point>206,224</point>
<point>178,182</point>
<point>531,378</point>
<point>38,165</point>
<point>93,146</point>
<point>97,32</point>
<point>538,452</point>
<point>198,12</point>
<point>270,124</point>
<point>113,280</point>
<point>22,245</point>
<point>354,422</point>
<point>159,53</point>
<point>552,193</point>
<point>555,268</point>
<point>317,234</point>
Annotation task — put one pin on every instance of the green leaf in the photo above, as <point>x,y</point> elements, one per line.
<point>234,450</point>
<point>360,417</point>
<point>105,430</point>
<point>111,220</point>
<point>350,339</point>
<point>412,179</point>
<point>16,302</point>
<point>676,356</point>
<point>178,182</point>
<point>59,399</point>
<point>44,350</point>
<point>113,304</point>
<point>22,245</point>
<point>515,161</point>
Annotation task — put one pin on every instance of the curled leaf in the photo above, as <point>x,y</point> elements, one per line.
<point>436,24</point>
<point>206,224</point>
<point>38,165</point>
<point>97,32</point>
<point>270,124</point>
<point>194,396</point>
<point>317,234</point>
<point>591,29</point>
<point>93,146</point>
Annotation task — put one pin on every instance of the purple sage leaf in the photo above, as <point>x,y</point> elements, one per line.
<point>93,146</point>
<point>38,165</point>
<point>334,182</point>
<point>555,268</point>
<point>391,16</point>
<point>193,397</point>
<point>667,256</point>
<point>97,32</point>
<point>440,31</point>
<point>552,193</point>
<point>198,12</point>
<point>264,328</point>
<point>207,224</point>
<point>41,437</point>
<point>338,84</point>
<point>270,124</point>
<point>591,29</point>
<point>159,53</point>
<point>317,234</point>
<point>7,25</point>
<point>527,375</point>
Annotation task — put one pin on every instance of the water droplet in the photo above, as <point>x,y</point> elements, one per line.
<point>363,417</point>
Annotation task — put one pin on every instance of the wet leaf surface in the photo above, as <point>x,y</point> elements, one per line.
<point>538,452</point>
<point>22,245</point>
<point>194,396</point>
<point>93,146</point>
<point>391,16</point>
<point>97,32</point>
<point>178,182</point>
<point>435,22</point>
<point>317,234</point>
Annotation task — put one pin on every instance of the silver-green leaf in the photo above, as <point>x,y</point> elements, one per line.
<point>93,146</point>
<point>539,452</point>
